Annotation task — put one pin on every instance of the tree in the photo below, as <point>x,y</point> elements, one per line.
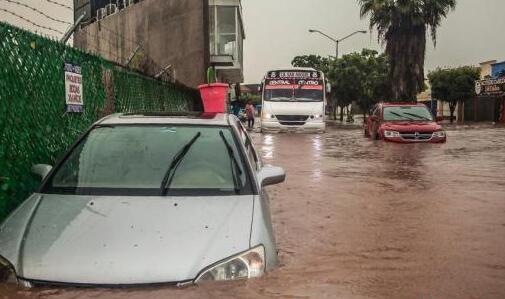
<point>403,26</point>
<point>347,78</point>
<point>377,85</point>
<point>314,61</point>
<point>361,78</point>
<point>454,85</point>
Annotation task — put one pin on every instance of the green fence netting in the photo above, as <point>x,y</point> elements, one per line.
<point>34,125</point>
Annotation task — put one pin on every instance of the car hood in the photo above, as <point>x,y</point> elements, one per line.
<point>132,240</point>
<point>405,127</point>
<point>294,108</point>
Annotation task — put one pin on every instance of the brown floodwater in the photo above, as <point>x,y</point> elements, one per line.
<point>363,219</point>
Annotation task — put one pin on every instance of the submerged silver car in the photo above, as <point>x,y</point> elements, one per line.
<point>146,199</point>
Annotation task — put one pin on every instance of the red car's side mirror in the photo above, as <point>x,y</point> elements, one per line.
<point>374,118</point>
<point>439,118</point>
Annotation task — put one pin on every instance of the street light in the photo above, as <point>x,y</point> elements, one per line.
<point>337,41</point>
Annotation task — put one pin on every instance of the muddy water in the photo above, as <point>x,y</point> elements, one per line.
<point>364,219</point>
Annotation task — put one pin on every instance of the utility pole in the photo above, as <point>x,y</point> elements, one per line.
<point>335,40</point>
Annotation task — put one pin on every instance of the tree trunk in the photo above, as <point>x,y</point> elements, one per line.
<point>406,47</point>
<point>452,108</point>
<point>341,114</point>
<point>461,112</point>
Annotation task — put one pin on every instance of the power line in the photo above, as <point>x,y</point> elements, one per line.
<point>30,21</point>
<point>59,4</point>
<point>38,11</point>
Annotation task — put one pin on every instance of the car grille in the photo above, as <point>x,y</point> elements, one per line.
<point>292,120</point>
<point>417,136</point>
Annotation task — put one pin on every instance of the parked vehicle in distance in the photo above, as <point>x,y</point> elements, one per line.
<point>293,100</point>
<point>145,199</point>
<point>403,123</point>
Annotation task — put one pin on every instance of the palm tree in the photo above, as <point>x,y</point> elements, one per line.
<point>403,26</point>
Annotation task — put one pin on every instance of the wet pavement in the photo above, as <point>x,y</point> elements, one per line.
<point>365,219</point>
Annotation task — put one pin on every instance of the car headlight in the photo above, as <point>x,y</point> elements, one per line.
<point>246,265</point>
<point>317,116</point>
<point>391,134</point>
<point>7,272</point>
<point>439,134</point>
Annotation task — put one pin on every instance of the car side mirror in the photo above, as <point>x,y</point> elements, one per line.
<point>42,170</point>
<point>439,119</point>
<point>374,118</point>
<point>271,175</point>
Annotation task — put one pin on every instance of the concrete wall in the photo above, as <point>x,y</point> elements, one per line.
<point>171,32</point>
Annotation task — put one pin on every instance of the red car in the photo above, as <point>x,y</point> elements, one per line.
<point>403,123</point>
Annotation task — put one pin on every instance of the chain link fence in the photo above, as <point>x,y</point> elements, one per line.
<point>34,125</point>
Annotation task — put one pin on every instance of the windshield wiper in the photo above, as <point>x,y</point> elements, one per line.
<point>176,161</point>
<point>418,116</point>
<point>400,115</point>
<point>235,168</point>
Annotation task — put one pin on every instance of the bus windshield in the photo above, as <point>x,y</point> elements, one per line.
<point>294,94</point>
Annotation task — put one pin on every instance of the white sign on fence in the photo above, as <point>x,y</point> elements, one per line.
<point>73,88</point>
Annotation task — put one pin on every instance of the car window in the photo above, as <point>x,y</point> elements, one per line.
<point>407,113</point>
<point>251,152</point>
<point>136,159</point>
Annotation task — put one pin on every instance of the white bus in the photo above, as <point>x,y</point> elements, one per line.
<point>293,100</point>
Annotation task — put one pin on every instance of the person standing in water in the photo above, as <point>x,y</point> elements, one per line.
<point>250,111</point>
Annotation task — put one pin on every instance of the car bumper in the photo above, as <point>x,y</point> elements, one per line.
<point>402,140</point>
<point>309,126</point>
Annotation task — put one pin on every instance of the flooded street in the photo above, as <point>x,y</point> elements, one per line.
<point>363,219</point>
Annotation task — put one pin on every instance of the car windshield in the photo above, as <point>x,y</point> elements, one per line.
<point>130,160</point>
<point>296,94</point>
<point>407,113</point>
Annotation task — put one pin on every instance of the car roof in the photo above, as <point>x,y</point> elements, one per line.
<point>189,118</point>
<point>401,104</point>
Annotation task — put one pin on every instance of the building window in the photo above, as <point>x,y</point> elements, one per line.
<point>223,30</point>
<point>212,28</point>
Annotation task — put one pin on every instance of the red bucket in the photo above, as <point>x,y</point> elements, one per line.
<point>214,97</point>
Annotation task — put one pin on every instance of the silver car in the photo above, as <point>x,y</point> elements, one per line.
<point>146,199</point>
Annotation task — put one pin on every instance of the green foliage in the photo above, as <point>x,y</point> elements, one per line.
<point>34,127</point>
<point>360,77</point>
<point>211,75</point>
<point>403,25</point>
<point>313,61</point>
<point>454,85</point>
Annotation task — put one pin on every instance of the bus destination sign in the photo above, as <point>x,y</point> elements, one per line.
<point>294,79</point>
<point>294,75</point>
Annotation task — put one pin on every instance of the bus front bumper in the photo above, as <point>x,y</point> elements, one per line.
<point>309,126</point>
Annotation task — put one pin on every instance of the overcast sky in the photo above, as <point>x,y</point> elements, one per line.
<point>277,30</point>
